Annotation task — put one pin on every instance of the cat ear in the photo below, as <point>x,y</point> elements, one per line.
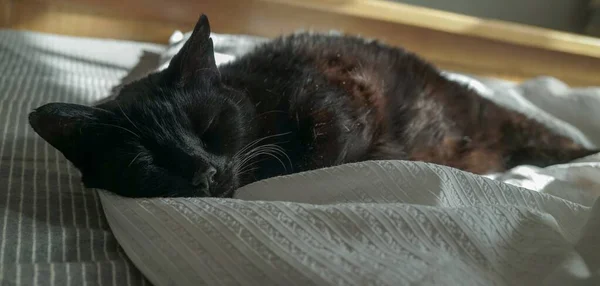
<point>196,59</point>
<point>60,124</point>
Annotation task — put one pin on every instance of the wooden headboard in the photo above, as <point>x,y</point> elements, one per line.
<point>453,42</point>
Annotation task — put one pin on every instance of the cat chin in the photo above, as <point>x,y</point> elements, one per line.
<point>227,191</point>
<point>225,187</point>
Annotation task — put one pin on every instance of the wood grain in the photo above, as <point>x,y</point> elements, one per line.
<point>5,9</point>
<point>457,24</point>
<point>453,42</point>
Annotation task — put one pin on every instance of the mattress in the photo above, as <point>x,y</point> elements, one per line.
<point>379,223</point>
<point>52,230</point>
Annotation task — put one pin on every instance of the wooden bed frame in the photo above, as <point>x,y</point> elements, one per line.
<point>451,41</point>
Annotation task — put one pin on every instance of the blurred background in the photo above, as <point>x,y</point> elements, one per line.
<point>575,16</point>
<point>508,39</point>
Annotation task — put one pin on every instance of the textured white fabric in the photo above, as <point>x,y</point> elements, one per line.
<point>389,222</point>
<point>376,223</point>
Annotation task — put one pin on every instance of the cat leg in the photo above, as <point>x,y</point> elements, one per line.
<point>542,147</point>
<point>542,157</point>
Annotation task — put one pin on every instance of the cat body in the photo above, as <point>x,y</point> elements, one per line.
<point>296,103</point>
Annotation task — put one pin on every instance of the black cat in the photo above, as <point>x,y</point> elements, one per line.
<point>297,103</point>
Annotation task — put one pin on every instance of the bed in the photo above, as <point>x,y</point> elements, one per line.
<point>376,223</point>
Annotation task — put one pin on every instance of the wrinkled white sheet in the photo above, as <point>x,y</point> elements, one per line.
<point>389,222</point>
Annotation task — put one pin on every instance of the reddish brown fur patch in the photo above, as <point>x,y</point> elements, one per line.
<point>360,83</point>
<point>478,161</point>
<point>399,107</point>
<point>481,161</point>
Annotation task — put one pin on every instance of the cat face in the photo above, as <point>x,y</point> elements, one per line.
<point>174,133</point>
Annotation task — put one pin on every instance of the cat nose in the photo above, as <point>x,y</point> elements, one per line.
<point>203,178</point>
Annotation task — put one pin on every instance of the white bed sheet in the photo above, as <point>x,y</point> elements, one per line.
<point>389,222</point>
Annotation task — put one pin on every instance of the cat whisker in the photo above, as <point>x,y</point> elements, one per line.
<point>246,171</point>
<point>282,152</point>
<point>267,153</point>
<point>127,117</point>
<point>272,111</point>
<point>251,155</point>
<point>251,144</point>
<point>244,168</point>
<point>134,158</point>
<point>278,150</point>
<point>271,150</point>
<point>258,148</point>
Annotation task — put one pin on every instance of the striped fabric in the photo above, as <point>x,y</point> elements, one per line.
<point>52,230</point>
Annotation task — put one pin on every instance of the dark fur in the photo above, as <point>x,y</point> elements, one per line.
<point>298,103</point>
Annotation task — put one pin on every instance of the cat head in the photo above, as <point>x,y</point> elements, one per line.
<point>176,132</point>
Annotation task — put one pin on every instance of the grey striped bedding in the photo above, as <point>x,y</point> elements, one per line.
<point>53,231</point>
